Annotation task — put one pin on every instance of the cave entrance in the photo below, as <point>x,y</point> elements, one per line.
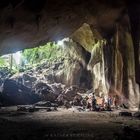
<point>55,65</point>
<point>84,62</point>
<point>56,56</point>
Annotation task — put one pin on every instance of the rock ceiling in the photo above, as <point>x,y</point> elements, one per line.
<point>29,23</point>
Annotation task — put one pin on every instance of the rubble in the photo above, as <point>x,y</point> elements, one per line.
<point>136,114</point>
<point>33,108</point>
<point>127,114</point>
<point>14,93</point>
<point>77,100</point>
<point>37,86</point>
<point>26,108</point>
<point>57,88</point>
<point>46,104</point>
<point>70,93</point>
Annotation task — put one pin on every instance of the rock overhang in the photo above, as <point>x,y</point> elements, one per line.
<point>28,23</point>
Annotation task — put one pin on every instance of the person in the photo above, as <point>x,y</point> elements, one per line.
<point>91,102</point>
<point>116,101</point>
<point>94,102</point>
<point>105,100</point>
<point>109,103</point>
<point>77,100</point>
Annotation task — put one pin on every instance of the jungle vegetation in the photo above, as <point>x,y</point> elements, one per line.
<point>30,58</point>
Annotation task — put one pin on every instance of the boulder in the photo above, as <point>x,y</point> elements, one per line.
<point>49,96</point>
<point>41,85</point>
<point>45,91</point>
<point>28,84</point>
<point>57,88</point>
<point>137,114</point>
<point>125,114</point>
<point>14,93</point>
<point>33,108</point>
<point>70,93</point>
<point>10,87</point>
<point>46,104</point>
<point>27,77</point>
<point>26,108</point>
<point>77,100</point>
<point>67,104</point>
<point>60,99</point>
<point>50,77</point>
<point>43,103</point>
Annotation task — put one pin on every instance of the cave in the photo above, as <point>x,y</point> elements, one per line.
<point>82,73</point>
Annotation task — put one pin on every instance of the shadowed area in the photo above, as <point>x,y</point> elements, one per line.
<point>67,124</point>
<point>69,69</point>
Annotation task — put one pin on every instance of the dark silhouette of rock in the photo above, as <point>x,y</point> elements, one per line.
<point>137,114</point>
<point>125,114</point>
<point>15,93</point>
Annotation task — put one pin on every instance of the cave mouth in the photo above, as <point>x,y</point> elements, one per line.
<point>26,74</point>
<point>85,85</point>
<point>99,53</point>
<point>72,69</point>
<point>57,82</point>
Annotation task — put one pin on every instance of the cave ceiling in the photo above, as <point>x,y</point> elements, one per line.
<point>30,23</point>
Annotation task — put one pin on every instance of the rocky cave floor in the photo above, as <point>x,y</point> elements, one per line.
<point>46,123</point>
<point>67,124</point>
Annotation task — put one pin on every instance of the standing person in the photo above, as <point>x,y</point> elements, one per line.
<point>94,102</point>
<point>109,103</point>
<point>105,101</point>
<point>116,101</point>
<point>89,102</point>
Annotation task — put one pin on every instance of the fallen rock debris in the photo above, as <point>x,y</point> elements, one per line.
<point>32,91</point>
<point>33,108</point>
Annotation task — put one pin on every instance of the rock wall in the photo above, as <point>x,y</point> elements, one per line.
<point>74,71</point>
<point>125,82</point>
<point>112,64</point>
<point>120,72</point>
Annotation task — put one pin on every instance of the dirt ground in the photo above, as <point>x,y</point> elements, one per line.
<point>63,124</point>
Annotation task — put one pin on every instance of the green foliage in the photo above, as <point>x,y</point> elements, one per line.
<point>48,52</point>
<point>3,62</point>
<point>32,57</point>
<point>5,66</point>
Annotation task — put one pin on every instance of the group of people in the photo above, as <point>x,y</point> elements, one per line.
<point>95,103</point>
<point>68,96</point>
<point>90,101</point>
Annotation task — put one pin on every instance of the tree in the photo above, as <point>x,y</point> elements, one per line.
<point>49,52</point>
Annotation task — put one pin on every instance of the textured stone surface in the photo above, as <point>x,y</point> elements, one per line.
<point>28,23</point>
<point>99,28</point>
<point>112,61</point>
